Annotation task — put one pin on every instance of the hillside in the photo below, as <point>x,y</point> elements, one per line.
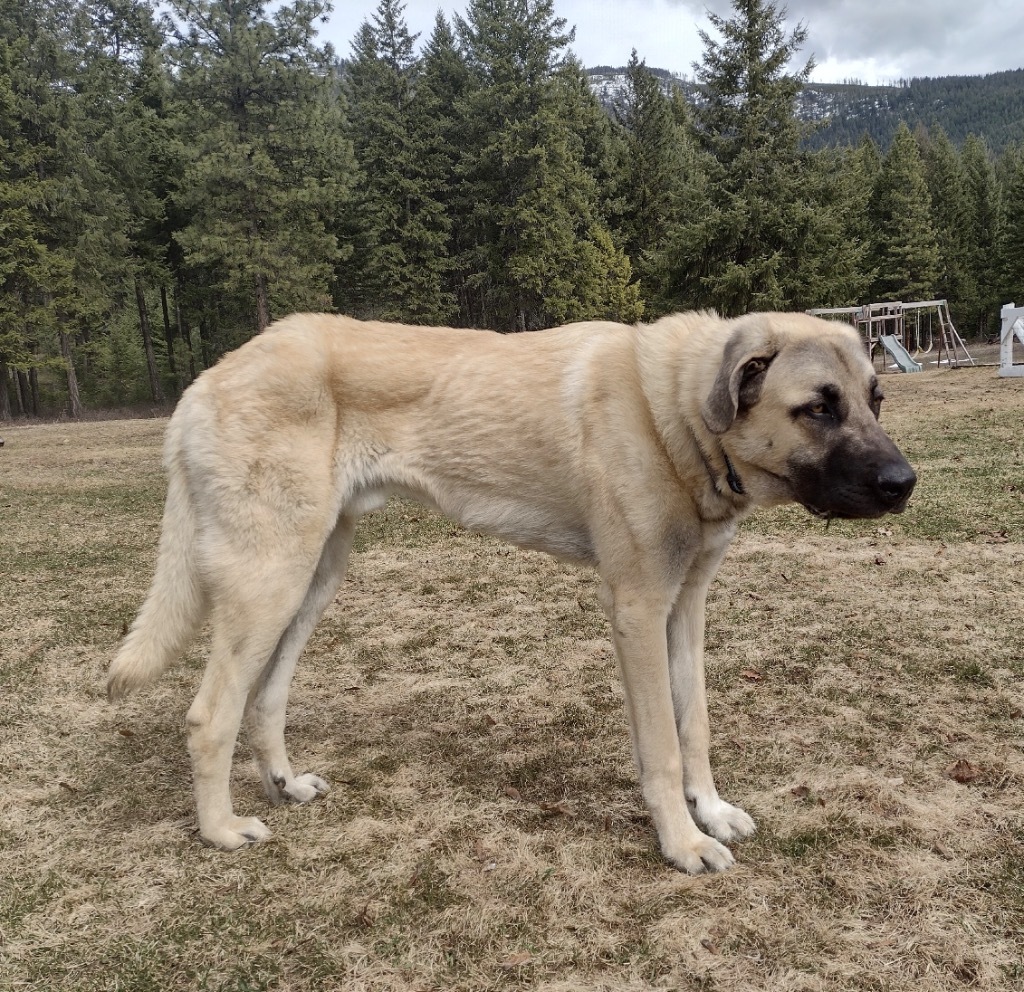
<point>989,106</point>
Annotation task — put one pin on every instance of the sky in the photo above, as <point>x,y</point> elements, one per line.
<point>873,41</point>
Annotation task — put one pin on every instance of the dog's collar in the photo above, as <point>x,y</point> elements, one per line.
<point>732,476</point>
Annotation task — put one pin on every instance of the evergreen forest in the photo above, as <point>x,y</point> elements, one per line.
<point>176,175</point>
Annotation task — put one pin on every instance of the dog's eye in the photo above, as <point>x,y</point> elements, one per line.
<point>818,411</point>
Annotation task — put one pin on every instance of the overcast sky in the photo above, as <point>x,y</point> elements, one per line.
<point>869,40</point>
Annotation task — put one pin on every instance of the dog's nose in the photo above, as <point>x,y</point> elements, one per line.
<point>896,482</point>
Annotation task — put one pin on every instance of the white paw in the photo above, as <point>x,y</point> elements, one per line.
<point>721,819</point>
<point>699,855</point>
<point>301,789</point>
<point>239,831</point>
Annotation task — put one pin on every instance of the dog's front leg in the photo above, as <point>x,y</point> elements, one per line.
<point>689,698</point>
<point>638,627</point>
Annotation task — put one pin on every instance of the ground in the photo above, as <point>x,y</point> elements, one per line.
<point>485,830</point>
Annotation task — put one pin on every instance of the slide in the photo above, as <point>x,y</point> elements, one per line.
<point>902,356</point>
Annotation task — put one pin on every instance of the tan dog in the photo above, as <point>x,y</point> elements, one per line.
<point>634,449</point>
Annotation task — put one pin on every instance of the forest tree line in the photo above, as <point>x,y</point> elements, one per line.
<point>989,106</point>
<point>171,183</point>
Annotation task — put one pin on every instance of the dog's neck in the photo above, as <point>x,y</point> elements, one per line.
<point>721,471</point>
<point>685,438</point>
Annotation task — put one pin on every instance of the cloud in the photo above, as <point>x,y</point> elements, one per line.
<point>901,37</point>
<point>870,40</point>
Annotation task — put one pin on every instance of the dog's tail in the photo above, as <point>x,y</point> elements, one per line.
<point>176,604</point>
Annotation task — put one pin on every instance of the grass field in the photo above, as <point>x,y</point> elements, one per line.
<point>485,830</point>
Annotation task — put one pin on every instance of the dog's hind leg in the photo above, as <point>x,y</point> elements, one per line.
<point>268,700</point>
<point>249,620</point>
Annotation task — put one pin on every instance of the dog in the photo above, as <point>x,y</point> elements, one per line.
<point>633,449</point>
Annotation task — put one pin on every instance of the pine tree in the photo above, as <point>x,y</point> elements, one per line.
<point>22,252</point>
<point>856,177</point>
<point>951,215</point>
<point>400,271</point>
<point>439,112</point>
<point>863,164</point>
<point>984,233</point>
<point>906,251</point>
<point>1010,256</point>
<point>828,252</point>
<point>264,187</point>
<point>70,248</point>
<point>127,91</point>
<point>736,252</point>
<point>602,146</point>
<point>535,254</point>
<point>653,163</point>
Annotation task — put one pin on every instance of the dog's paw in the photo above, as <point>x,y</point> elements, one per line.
<point>239,831</point>
<point>699,855</point>
<point>301,789</point>
<point>722,820</point>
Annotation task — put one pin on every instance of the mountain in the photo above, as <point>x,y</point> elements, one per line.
<point>990,106</point>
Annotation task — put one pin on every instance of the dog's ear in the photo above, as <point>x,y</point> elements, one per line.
<point>737,387</point>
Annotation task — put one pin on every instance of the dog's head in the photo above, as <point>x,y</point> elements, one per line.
<point>795,404</point>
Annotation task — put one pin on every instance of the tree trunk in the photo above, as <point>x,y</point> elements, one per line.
<point>203,334</point>
<point>168,333</point>
<point>155,389</point>
<point>74,398</point>
<point>28,408</point>
<point>17,407</point>
<point>33,391</point>
<point>5,396</point>
<point>184,333</point>
<point>262,304</point>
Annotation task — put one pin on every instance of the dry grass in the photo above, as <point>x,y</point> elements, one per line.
<point>485,830</point>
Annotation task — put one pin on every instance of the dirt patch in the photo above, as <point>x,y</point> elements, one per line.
<point>484,830</point>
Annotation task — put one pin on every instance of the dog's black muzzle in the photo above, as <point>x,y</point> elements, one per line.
<point>854,484</point>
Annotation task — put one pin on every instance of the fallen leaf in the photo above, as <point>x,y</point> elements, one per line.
<point>751,674</point>
<point>800,791</point>
<point>963,771</point>
<point>559,808</point>
<point>125,732</point>
<point>512,792</point>
<point>517,960</point>
<point>709,945</point>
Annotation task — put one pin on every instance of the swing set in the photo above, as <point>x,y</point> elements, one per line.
<point>906,332</point>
